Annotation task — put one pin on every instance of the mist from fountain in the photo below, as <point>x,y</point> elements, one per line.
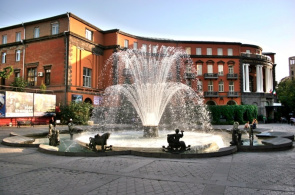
<point>151,81</point>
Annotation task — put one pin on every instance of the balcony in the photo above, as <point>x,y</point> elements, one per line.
<point>232,76</point>
<point>232,94</point>
<point>256,56</point>
<point>189,75</point>
<point>211,94</point>
<point>211,76</point>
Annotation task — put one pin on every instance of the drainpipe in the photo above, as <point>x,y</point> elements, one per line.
<point>67,58</point>
<point>24,51</point>
<point>67,67</point>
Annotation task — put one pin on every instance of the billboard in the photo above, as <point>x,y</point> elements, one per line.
<point>2,105</point>
<point>19,104</point>
<point>44,104</point>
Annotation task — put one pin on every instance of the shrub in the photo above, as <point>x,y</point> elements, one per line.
<point>240,113</point>
<point>80,112</point>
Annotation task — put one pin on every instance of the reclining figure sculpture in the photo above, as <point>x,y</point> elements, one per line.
<point>101,141</point>
<point>174,144</point>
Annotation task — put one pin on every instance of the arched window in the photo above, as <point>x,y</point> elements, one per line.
<point>210,103</point>
<point>231,102</point>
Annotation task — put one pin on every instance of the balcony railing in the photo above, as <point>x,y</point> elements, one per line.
<point>232,94</point>
<point>232,76</point>
<point>211,76</point>
<point>189,75</point>
<point>256,56</point>
<point>211,94</point>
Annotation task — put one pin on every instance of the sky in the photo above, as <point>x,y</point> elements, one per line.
<point>269,24</point>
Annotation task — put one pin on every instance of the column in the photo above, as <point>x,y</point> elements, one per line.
<point>261,78</point>
<point>247,77</point>
<point>267,89</point>
<point>258,86</point>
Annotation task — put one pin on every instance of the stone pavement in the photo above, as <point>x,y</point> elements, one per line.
<point>27,171</point>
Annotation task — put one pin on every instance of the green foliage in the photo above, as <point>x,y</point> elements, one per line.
<point>231,113</point>
<point>43,87</point>
<point>19,83</point>
<point>7,72</point>
<point>79,112</point>
<point>286,95</point>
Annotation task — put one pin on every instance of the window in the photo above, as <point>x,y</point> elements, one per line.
<point>164,49</point>
<point>210,85</point>
<point>200,85</point>
<point>229,51</point>
<point>47,76</point>
<point>3,59</point>
<point>199,69</point>
<point>32,76</point>
<point>248,51</point>
<point>86,77</point>
<point>17,74</point>
<point>209,51</point>
<point>143,48</point>
<point>17,55</point>
<point>220,69</point>
<point>221,86</point>
<point>54,28</point>
<point>4,39</point>
<point>154,49</point>
<point>210,68</point>
<point>231,70</point>
<point>89,34</point>
<point>219,51</point>
<point>135,45</point>
<point>231,87</point>
<point>198,51</point>
<point>36,32</point>
<point>18,36</point>
<point>126,43</point>
<point>188,50</point>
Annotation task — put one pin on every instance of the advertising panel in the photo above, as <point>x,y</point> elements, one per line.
<point>19,104</point>
<point>97,100</point>
<point>77,98</point>
<point>2,105</point>
<point>44,104</point>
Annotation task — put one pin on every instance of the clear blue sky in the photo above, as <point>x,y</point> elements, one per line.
<point>266,23</point>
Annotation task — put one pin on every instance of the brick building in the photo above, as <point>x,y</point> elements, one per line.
<point>68,54</point>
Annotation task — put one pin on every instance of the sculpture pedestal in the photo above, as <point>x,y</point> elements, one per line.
<point>150,131</point>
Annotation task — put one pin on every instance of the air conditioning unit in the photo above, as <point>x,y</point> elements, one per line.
<point>40,74</point>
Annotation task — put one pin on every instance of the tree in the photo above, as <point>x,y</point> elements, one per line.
<point>6,73</point>
<point>286,95</point>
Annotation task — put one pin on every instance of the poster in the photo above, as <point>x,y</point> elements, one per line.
<point>19,104</point>
<point>44,104</point>
<point>97,100</point>
<point>77,98</point>
<point>2,105</point>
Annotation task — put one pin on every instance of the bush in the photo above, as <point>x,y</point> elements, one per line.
<point>231,113</point>
<point>80,112</point>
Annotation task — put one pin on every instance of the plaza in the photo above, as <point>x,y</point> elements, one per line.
<point>27,171</point>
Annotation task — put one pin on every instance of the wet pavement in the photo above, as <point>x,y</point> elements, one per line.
<point>25,170</point>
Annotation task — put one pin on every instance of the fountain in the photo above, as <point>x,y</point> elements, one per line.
<point>151,83</point>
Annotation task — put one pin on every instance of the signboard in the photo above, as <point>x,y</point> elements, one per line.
<point>19,104</point>
<point>44,104</point>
